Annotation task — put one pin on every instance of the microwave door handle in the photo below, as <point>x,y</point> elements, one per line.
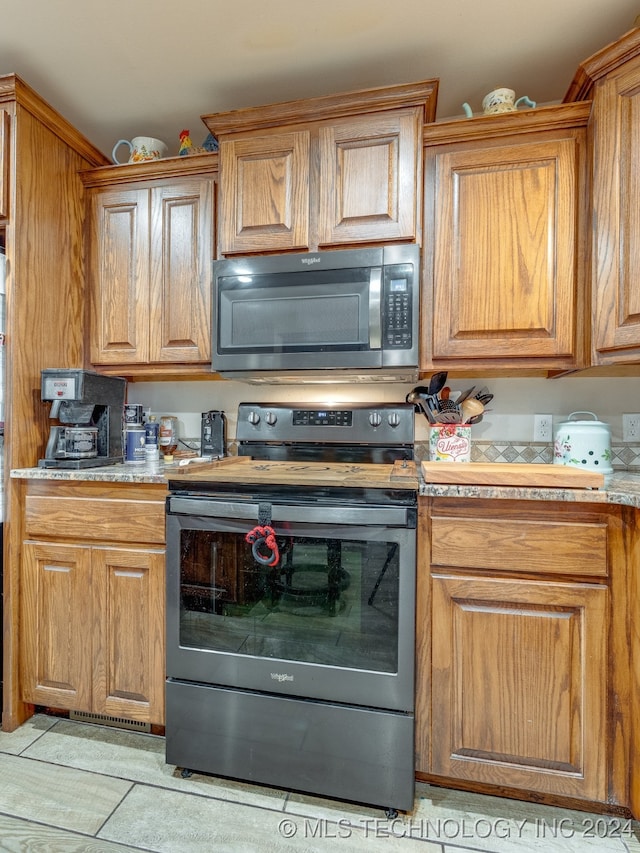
<point>375,324</point>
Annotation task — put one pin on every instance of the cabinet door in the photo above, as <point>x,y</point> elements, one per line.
<point>502,280</point>
<point>128,652</point>
<point>180,286</point>
<point>56,626</point>
<point>264,193</point>
<point>519,684</point>
<point>119,276</point>
<point>369,170</point>
<point>4,164</point>
<point>616,185</point>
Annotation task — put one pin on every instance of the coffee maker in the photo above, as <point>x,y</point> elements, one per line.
<point>89,408</point>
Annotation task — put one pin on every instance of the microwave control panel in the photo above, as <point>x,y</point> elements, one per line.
<point>397,311</point>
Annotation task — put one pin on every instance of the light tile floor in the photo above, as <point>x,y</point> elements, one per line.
<point>71,787</point>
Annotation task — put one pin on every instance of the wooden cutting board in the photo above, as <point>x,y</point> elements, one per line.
<point>244,470</point>
<point>511,474</point>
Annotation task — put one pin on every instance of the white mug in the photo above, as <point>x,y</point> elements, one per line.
<point>141,148</point>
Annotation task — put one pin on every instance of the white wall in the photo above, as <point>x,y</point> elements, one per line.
<point>510,418</point>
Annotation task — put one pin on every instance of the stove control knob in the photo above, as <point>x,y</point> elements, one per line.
<point>271,418</point>
<point>253,417</point>
<point>393,419</point>
<point>375,419</point>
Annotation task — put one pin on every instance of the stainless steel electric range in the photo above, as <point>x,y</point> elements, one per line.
<point>290,604</point>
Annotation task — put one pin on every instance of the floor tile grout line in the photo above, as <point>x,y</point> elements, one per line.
<point>28,745</point>
<point>75,832</point>
<point>156,786</point>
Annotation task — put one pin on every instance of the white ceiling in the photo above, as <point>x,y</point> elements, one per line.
<point>123,68</point>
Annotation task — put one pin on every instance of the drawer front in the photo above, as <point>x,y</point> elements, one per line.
<point>520,545</point>
<point>82,519</point>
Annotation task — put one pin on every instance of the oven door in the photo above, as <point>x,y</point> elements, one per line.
<point>333,620</point>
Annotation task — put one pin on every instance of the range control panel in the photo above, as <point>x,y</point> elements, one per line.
<point>385,423</point>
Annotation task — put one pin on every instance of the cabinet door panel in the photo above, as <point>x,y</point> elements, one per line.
<point>504,269</point>
<point>264,204</point>
<point>180,288</point>
<point>4,164</point>
<point>616,186</point>
<point>519,684</point>
<point>56,626</point>
<point>368,178</point>
<point>119,267</point>
<point>128,655</point>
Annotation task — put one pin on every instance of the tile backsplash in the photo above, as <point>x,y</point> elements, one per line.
<point>624,455</point>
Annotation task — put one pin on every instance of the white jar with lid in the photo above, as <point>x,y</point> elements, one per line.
<point>583,443</point>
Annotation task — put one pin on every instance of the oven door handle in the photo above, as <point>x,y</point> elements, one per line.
<point>368,516</point>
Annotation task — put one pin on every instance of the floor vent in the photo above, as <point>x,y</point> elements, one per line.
<point>104,720</point>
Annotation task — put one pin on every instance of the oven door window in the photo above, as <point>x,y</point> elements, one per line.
<point>331,601</point>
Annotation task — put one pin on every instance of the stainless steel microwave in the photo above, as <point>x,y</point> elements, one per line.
<point>330,316</point>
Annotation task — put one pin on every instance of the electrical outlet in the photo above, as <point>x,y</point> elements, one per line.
<point>631,427</point>
<point>542,427</point>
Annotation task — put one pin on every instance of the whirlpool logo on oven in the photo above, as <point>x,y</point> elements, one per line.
<point>281,676</point>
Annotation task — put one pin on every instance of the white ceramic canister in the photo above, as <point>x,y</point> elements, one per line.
<point>583,443</point>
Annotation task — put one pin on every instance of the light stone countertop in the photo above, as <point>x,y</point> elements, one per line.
<point>621,487</point>
<point>107,474</point>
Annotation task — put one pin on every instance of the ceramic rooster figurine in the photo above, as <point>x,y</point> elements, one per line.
<point>185,142</point>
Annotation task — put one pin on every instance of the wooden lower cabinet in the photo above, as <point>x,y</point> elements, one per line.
<point>519,683</point>
<point>523,661</point>
<point>93,629</point>
<point>92,613</point>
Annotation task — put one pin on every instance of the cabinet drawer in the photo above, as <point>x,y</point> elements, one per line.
<point>520,545</point>
<point>95,519</point>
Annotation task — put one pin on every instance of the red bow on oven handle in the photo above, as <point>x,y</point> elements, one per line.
<point>263,535</point>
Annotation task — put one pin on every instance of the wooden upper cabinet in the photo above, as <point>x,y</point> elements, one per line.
<point>330,171</point>
<point>4,163</point>
<point>150,251</point>
<point>369,170</point>
<point>616,235</point>
<point>264,198</point>
<point>503,260</point>
<point>611,78</point>
<point>180,285</point>
<point>119,276</point>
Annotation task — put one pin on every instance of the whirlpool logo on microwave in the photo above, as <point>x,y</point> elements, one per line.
<point>281,676</point>
<point>309,261</point>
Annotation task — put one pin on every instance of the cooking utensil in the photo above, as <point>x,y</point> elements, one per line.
<point>465,395</point>
<point>471,408</point>
<point>452,417</point>
<point>437,382</point>
<point>483,395</point>
<point>421,403</point>
<point>445,405</point>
